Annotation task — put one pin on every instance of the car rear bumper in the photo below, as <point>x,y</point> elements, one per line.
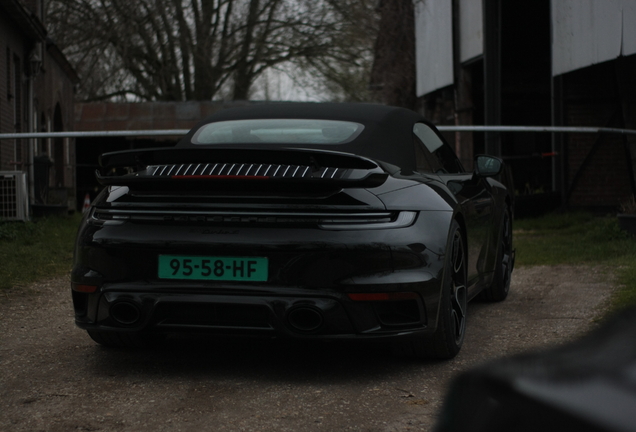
<point>312,277</point>
<point>328,314</point>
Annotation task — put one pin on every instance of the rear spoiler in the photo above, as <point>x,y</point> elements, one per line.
<point>173,168</point>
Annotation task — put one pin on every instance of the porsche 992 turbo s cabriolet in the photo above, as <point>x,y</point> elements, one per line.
<point>299,220</point>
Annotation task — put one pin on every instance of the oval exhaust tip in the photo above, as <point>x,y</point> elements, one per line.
<point>305,319</point>
<point>125,313</point>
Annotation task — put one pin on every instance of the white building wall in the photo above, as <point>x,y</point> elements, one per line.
<point>629,27</point>
<point>433,45</point>
<point>471,29</point>
<point>586,32</point>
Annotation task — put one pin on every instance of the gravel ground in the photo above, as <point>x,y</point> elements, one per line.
<point>54,378</point>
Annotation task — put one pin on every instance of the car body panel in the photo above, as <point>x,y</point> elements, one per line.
<point>354,237</point>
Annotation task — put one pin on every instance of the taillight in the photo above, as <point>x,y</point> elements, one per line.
<point>403,220</point>
<point>84,288</point>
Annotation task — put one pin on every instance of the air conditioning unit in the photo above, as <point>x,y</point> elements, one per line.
<point>14,197</point>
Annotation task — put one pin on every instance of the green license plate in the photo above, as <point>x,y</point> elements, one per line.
<point>252,269</point>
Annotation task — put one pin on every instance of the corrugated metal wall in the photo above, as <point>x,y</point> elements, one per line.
<point>598,166</point>
<point>471,29</point>
<point>587,32</point>
<point>433,45</point>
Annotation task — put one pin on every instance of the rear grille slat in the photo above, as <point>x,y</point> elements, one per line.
<point>245,169</point>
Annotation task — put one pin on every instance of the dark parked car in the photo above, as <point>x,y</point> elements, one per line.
<point>300,220</point>
<point>585,386</point>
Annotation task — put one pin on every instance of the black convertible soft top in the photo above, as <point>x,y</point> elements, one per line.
<point>387,134</point>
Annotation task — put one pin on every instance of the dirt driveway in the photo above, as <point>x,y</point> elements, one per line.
<point>54,378</point>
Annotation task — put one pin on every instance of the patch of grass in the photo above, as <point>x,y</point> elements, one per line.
<point>40,249</point>
<point>580,238</point>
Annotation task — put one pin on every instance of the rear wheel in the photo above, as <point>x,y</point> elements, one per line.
<point>113,339</point>
<point>447,340</point>
<point>498,290</point>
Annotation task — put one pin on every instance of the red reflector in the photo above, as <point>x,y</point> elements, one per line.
<point>382,296</point>
<point>84,288</point>
<point>220,177</point>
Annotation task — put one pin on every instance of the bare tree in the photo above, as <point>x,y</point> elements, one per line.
<point>393,72</point>
<point>185,49</point>
<point>343,71</point>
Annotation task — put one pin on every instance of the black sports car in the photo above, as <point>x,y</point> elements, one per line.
<point>302,220</point>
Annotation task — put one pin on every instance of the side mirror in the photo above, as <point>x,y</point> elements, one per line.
<point>487,166</point>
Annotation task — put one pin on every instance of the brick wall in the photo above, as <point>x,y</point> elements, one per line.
<point>20,32</point>
<point>55,92</point>
<point>598,166</point>
<point>96,116</point>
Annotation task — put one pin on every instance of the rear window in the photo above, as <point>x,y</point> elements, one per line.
<point>297,131</point>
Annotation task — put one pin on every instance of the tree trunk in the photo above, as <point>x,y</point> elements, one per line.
<point>242,76</point>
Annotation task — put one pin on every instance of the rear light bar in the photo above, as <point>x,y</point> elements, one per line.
<point>349,178</point>
<point>334,221</point>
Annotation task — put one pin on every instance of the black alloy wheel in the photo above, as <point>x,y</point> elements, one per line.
<point>458,291</point>
<point>447,340</point>
<point>498,290</point>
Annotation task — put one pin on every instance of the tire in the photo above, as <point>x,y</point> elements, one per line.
<point>498,290</point>
<point>448,338</point>
<point>113,339</point>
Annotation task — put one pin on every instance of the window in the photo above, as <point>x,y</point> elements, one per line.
<point>298,131</point>
<point>17,105</point>
<point>425,162</point>
<point>432,154</point>
<point>43,142</point>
